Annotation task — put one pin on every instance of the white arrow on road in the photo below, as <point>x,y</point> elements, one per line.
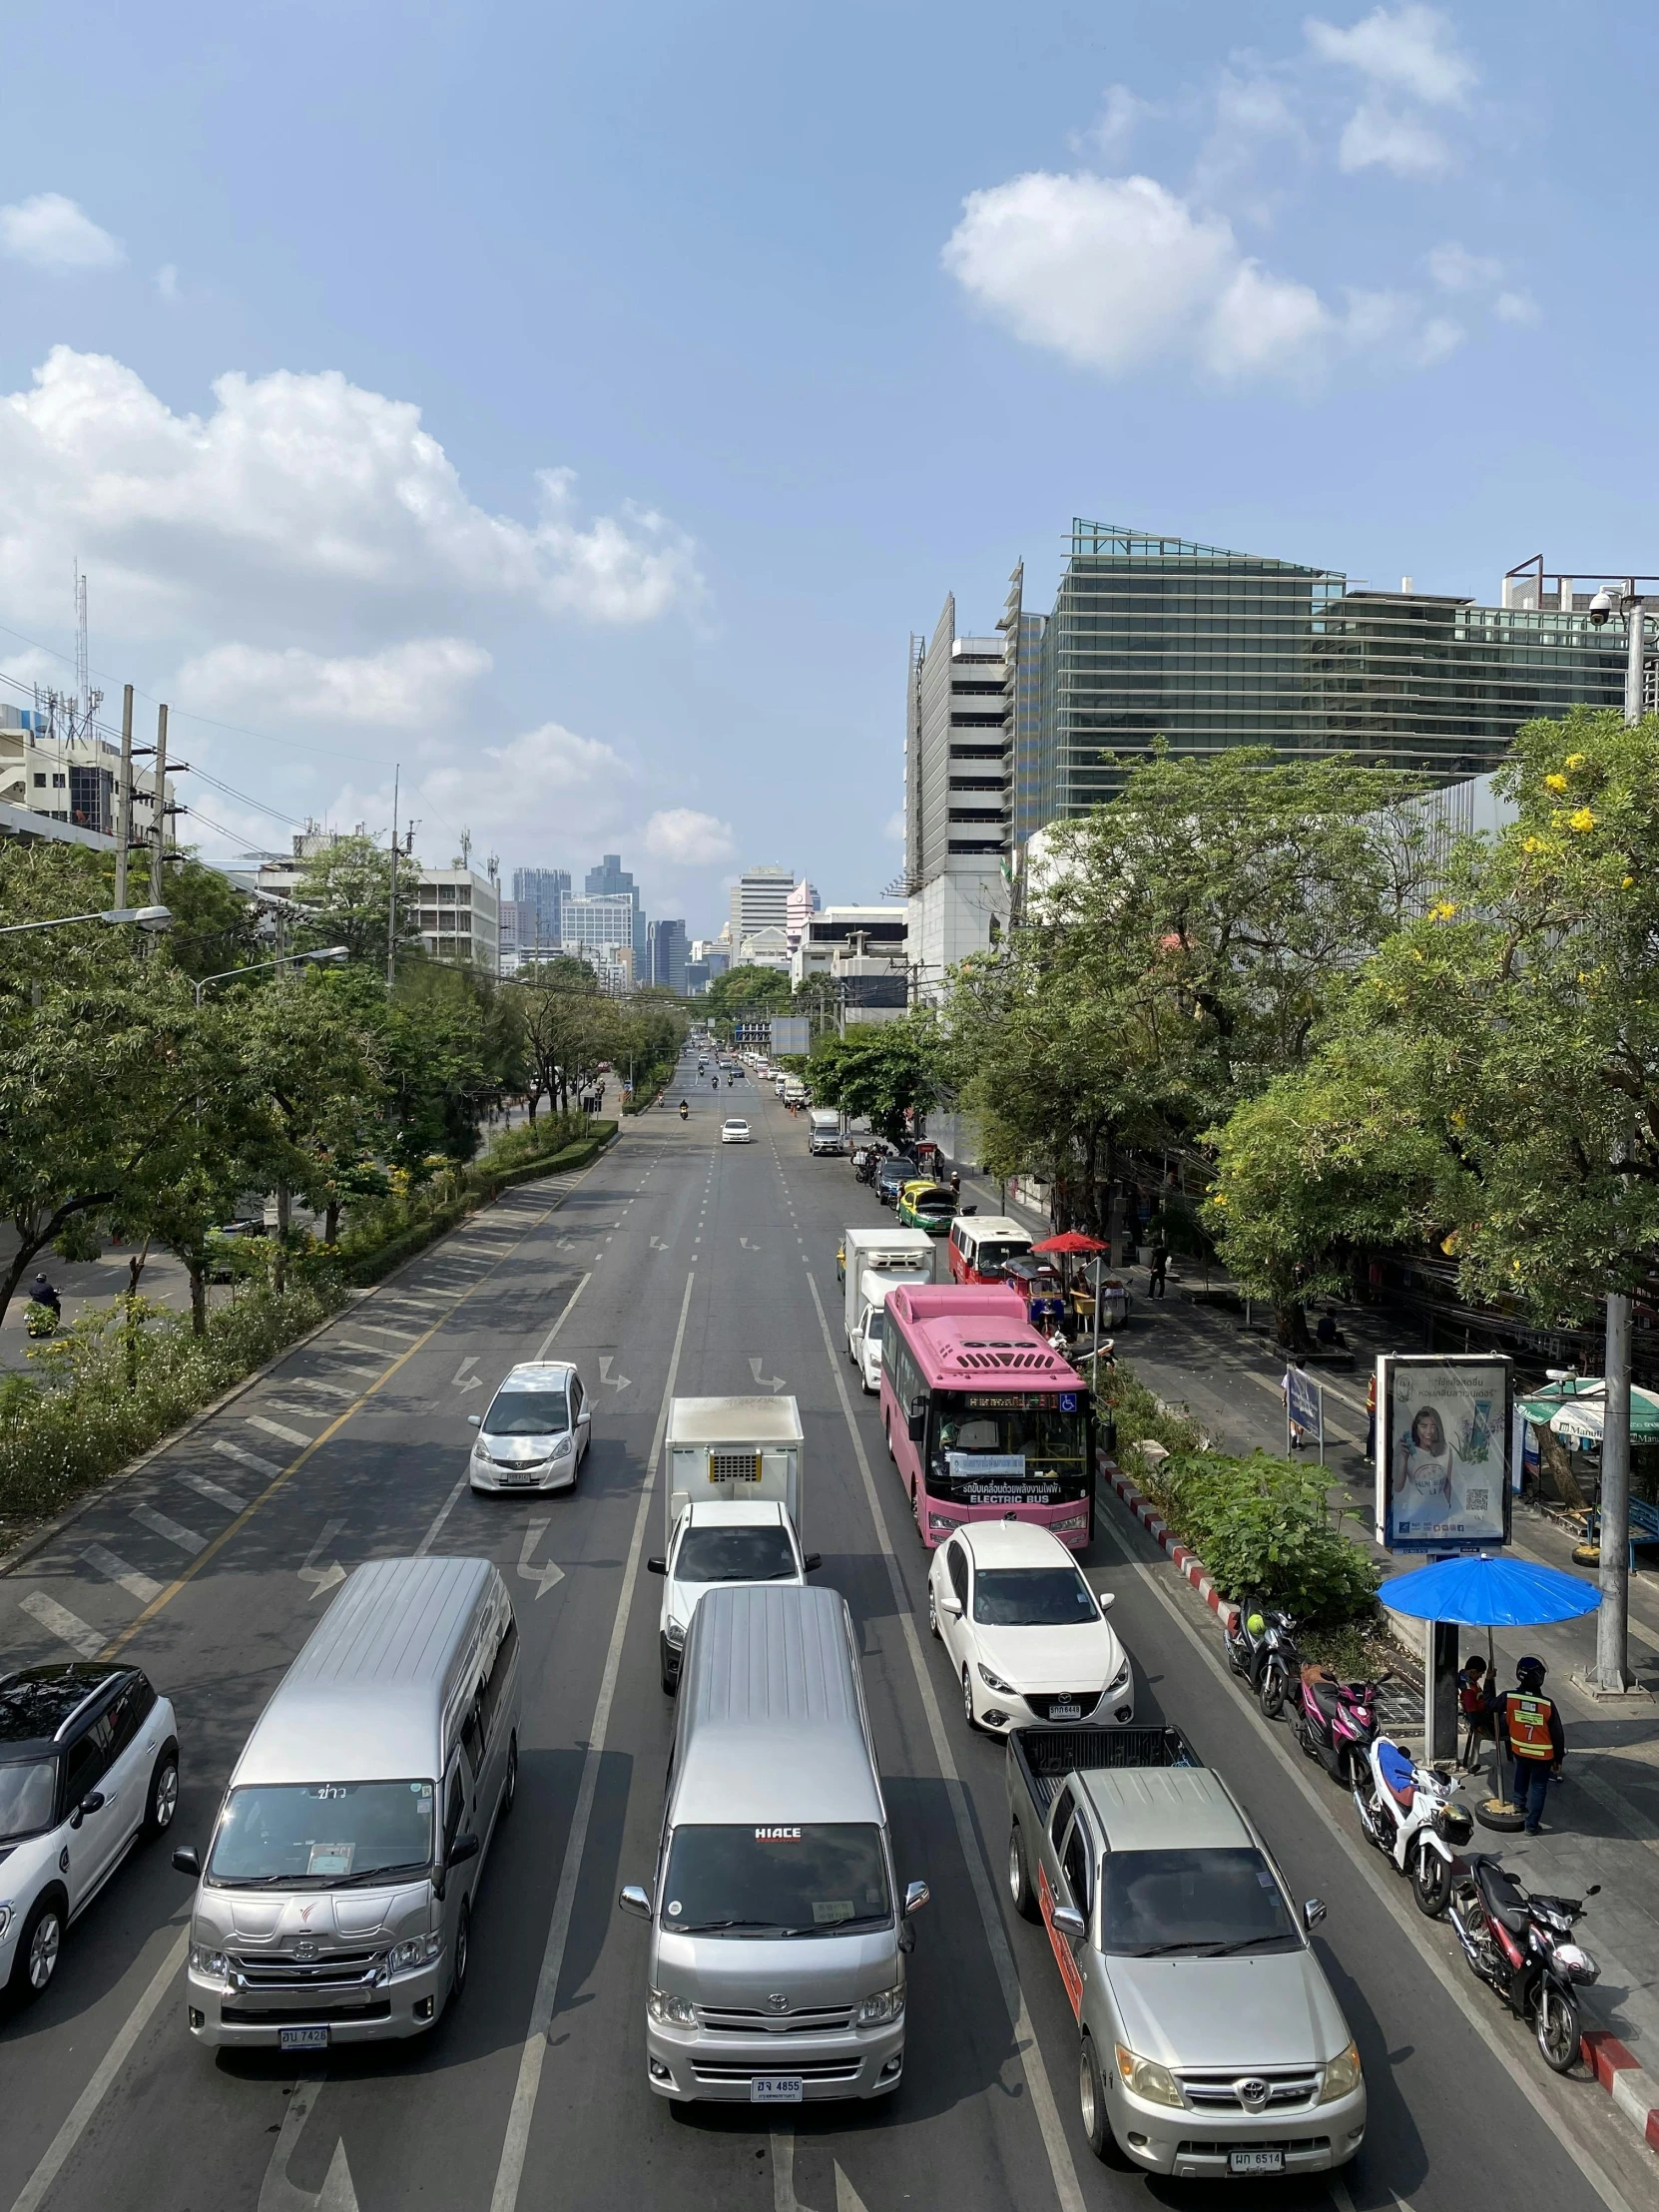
<point>544,1576</point>
<point>764,1382</point>
<point>323,1577</point>
<point>783,2198</point>
<point>463,1382</point>
<point>657,1245</point>
<point>277,2193</point>
<point>747,1246</point>
<point>613,1381</point>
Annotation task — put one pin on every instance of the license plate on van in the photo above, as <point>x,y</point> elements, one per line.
<point>776,2089</point>
<point>1256,2162</point>
<point>302,2038</point>
<point>1062,1710</point>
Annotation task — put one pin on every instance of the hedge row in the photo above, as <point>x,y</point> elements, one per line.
<point>483,1184</point>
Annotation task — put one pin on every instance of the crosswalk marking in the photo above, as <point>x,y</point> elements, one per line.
<point>112,1569</point>
<point>397,1335</point>
<point>418,1297</point>
<point>215,1493</point>
<point>317,1382</point>
<point>300,1412</point>
<point>58,1621</point>
<point>267,1467</point>
<point>276,1428</point>
<point>377,1352</point>
<point>160,1526</point>
<point>367,1374</point>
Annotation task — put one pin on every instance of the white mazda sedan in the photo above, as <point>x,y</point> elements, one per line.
<point>1028,1639</point>
<point>736,1131</point>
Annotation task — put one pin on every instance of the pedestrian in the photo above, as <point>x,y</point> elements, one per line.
<point>1371,1420</point>
<point>955,1184</point>
<point>1474,1705</point>
<point>1158,1271</point>
<point>1537,1743</point>
<point>1292,1428</point>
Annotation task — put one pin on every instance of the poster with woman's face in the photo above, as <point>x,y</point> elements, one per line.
<point>1442,1457</point>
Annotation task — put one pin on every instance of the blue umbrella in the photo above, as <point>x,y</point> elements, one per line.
<point>1485,1592</point>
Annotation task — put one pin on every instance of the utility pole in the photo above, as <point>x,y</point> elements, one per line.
<point>392,911</point>
<point>124,799</point>
<point>159,834</point>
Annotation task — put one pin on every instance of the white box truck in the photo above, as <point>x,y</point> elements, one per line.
<point>897,1255</point>
<point>824,1131</point>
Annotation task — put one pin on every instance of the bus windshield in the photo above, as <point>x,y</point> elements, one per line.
<point>1008,1447</point>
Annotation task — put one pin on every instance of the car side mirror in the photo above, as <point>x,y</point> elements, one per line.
<point>917,1895</point>
<point>1104,1598</point>
<point>461,1850</point>
<point>475,1420</point>
<point>656,1566</point>
<point>1069,1921</point>
<point>633,1898</point>
<point>813,1561</point>
<point>916,1428</point>
<point>185,1861</point>
<point>1312,1913</point>
<point>950,1603</point>
<point>1594,1890</point>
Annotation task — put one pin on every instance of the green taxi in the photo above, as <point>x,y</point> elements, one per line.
<point>927,1205</point>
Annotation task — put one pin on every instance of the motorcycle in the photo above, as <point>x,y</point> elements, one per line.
<point>1521,1946</point>
<point>1334,1722</point>
<point>685,1111</point>
<point>1407,1812</point>
<point>1253,1636</point>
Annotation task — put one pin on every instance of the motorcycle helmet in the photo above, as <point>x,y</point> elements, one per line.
<point>1531,1666</point>
<point>1256,1624</point>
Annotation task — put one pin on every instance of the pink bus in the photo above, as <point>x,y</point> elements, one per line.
<point>984,1422</point>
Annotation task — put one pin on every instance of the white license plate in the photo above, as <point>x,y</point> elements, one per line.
<point>1058,1712</point>
<point>1256,2162</point>
<point>302,2038</point>
<point>776,2089</point>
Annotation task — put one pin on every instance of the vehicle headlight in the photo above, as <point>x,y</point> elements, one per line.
<point>883,2006</point>
<point>563,1445</point>
<point>671,2011</point>
<point>213,1965</point>
<point>676,1633</point>
<point>1342,2077</point>
<point>938,1525</point>
<point>1078,1520</point>
<point>1120,1680</point>
<point>995,1680</point>
<point>1144,2078</point>
<point>417,1951</point>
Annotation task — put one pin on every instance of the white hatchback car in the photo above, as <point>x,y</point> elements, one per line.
<point>1028,1639</point>
<point>736,1131</point>
<point>535,1432</point>
<point>89,1764</point>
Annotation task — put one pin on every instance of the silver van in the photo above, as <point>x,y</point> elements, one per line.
<point>336,1903</point>
<point>777,1942</point>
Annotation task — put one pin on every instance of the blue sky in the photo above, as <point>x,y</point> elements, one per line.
<point>582,405</point>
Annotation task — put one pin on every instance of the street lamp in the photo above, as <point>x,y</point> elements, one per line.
<point>288,959</point>
<point>147,917</point>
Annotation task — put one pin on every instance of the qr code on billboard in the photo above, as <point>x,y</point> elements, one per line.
<point>1475,1501</point>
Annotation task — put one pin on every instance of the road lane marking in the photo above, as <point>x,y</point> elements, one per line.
<point>515,2144</point>
<point>276,1428</point>
<point>170,1532</point>
<point>91,2096</point>
<point>377,1352</point>
<point>58,1621</point>
<point>317,1382</point>
<point>277,2192</point>
<point>397,1335</point>
<point>215,1493</point>
<point>1026,2048</point>
<point>267,1467</point>
<point>141,1586</point>
<point>546,1575</point>
<point>564,1315</point>
<point>322,1579</point>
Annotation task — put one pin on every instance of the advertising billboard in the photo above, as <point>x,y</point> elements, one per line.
<point>1444,1432</point>
<point>790,1034</point>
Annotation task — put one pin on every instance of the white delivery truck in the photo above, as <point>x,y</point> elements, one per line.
<point>824,1131</point>
<point>732,1498</point>
<point>897,1255</point>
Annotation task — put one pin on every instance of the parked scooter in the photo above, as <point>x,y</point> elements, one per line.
<point>1522,1945</point>
<point>1261,1642</point>
<point>1408,1812</point>
<point>1334,1722</point>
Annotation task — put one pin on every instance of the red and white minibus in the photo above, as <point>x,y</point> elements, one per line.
<point>983,1421</point>
<point>980,1244</point>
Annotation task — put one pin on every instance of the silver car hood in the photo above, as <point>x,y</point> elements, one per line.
<point>334,1919</point>
<point>816,1973</point>
<point>518,1452</point>
<point>1272,2010</point>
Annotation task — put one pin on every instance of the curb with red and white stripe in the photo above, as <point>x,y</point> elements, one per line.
<point>1632,2088</point>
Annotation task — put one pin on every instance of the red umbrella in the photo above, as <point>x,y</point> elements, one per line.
<point>1070,1242</point>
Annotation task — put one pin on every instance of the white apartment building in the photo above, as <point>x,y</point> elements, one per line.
<point>761,900</point>
<point>957,798</point>
<point>862,953</point>
<point>459,910</point>
<point>72,780</point>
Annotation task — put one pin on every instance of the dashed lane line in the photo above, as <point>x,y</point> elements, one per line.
<point>170,1532</point>
<point>142,1586</point>
<point>215,1493</point>
<point>267,1467</point>
<point>58,1621</point>
<point>276,1428</point>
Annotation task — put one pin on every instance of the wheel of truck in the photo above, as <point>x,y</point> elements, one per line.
<point>1091,2105</point>
<point>1019,1878</point>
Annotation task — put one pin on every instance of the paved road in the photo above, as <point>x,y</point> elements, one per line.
<point>674,1262</point>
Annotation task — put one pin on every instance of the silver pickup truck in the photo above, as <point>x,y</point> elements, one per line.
<point>1211,2041</point>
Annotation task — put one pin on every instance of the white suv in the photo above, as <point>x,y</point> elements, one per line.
<point>89,1763</point>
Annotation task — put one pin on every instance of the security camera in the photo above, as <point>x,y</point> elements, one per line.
<point>1601,606</point>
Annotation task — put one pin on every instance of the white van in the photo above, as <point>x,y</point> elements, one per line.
<point>777,1939</point>
<point>335,1902</point>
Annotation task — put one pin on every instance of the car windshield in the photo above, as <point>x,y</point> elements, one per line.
<point>776,1881</point>
<point>323,1833</point>
<point>736,1125</point>
<point>991,1259</point>
<point>528,1413</point>
<point>26,1794</point>
<point>1032,1597</point>
<point>735,1555</point>
<point>1204,1903</point>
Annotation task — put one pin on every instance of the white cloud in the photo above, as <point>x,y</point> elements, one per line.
<point>301,498</point>
<point>682,838</point>
<point>1517,308</point>
<point>895,826</point>
<point>408,686</point>
<point>1409,50</point>
<point>1119,119</point>
<point>55,233</point>
<point>167,281</point>
<point>547,784</point>
<point>1455,268</point>
<point>1375,136</point>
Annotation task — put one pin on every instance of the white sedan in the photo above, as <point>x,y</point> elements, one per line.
<point>1028,1639</point>
<point>736,1131</point>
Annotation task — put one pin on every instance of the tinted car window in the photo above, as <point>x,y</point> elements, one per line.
<point>129,1712</point>
<point>1208,1903</point>
<point>735,1555</point>
<point>1074,1863</point>
<point>1032,1597</point>
<point>761,1882</point>
<point>528,1413</point>
<point>88,1761</point>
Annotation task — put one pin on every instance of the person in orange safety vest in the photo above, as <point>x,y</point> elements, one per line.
<point>1530,1725</point>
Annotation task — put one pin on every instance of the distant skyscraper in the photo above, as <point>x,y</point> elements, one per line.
<point>668,949</point>
<point>609,880</point>
<point>539,895</point>
<point>759,901</point>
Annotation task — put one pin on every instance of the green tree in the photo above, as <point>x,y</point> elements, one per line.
<point>346,892</point>
<point>887,1072</point>
<point>743,992</point>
